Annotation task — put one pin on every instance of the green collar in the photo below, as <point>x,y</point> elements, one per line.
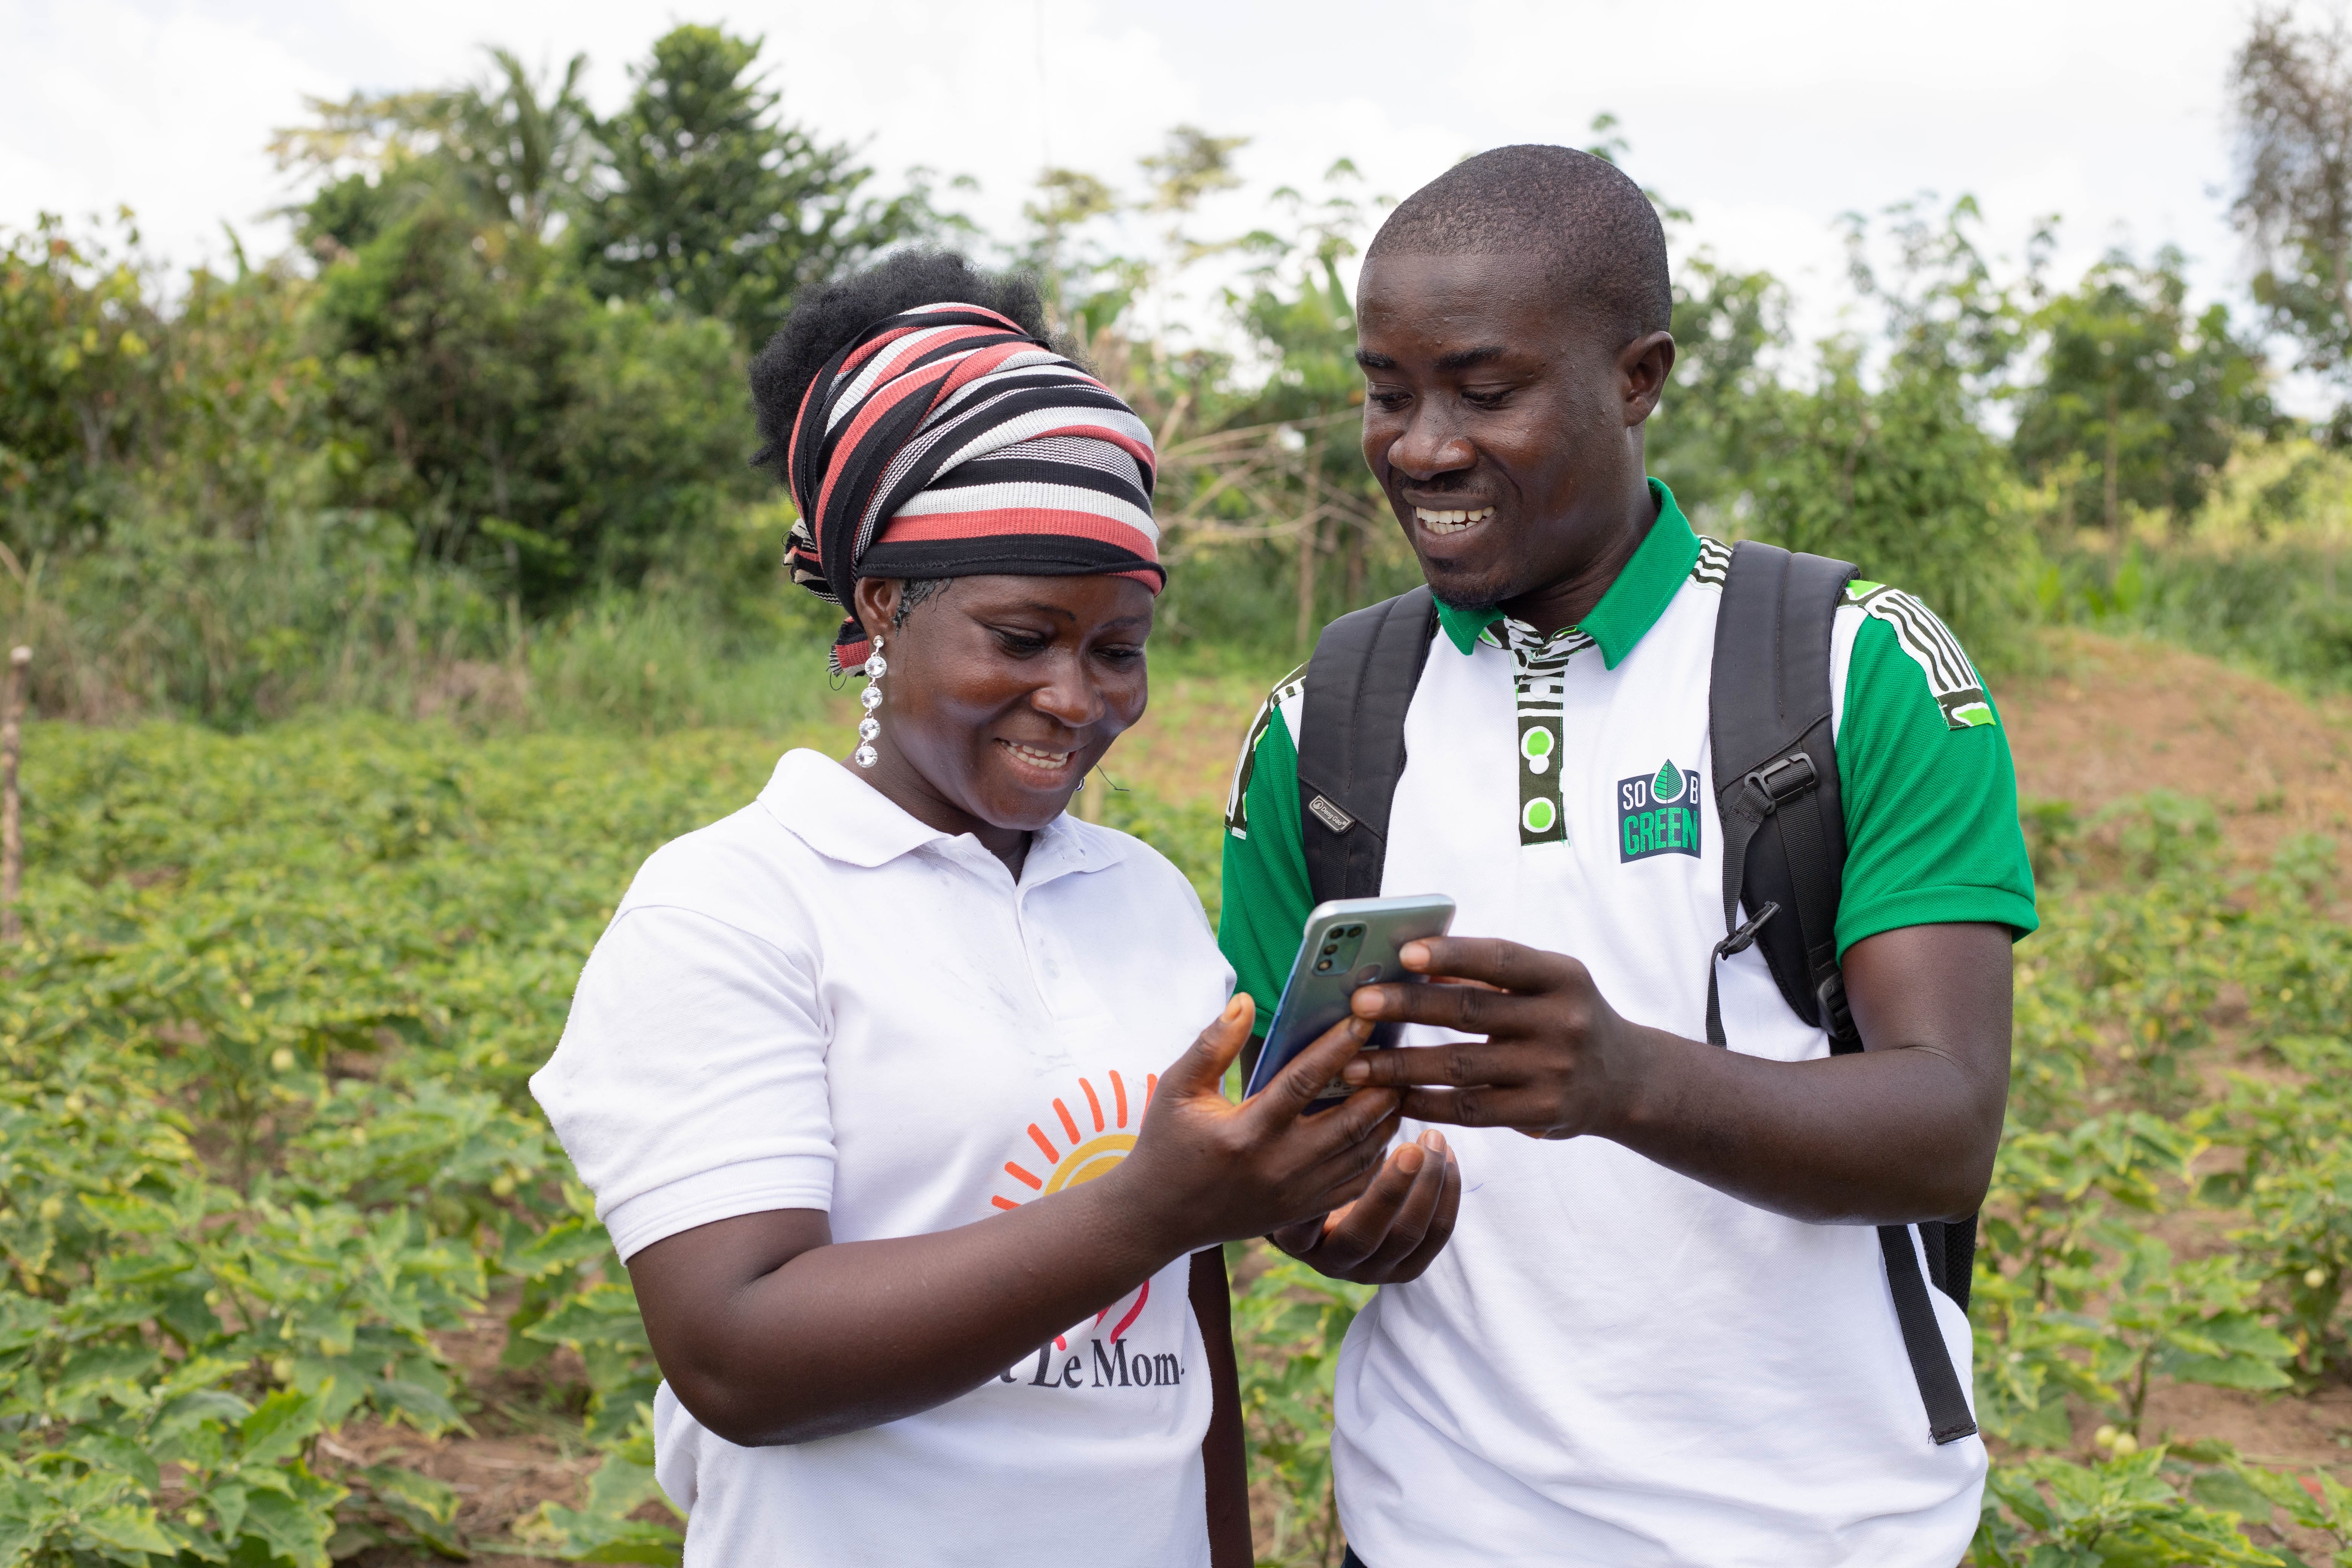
<point>1634,602</point>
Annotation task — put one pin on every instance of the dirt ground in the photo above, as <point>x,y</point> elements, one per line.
<point>2104,720</point>
<point>2112,718</point>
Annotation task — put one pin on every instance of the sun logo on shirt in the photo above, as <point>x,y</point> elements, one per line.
<point>1079,1145</point>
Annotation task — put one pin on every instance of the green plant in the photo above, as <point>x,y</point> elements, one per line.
<point>2190,1321</point>
<point>2295,1185</point>
<point>1288,1321</point>
<point>2122,1514</point>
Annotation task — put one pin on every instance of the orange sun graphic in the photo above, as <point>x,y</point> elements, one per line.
<point>1091,1152</point>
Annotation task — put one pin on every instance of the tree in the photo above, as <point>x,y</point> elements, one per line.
<point>1084,291</point>
<point>479,395</point>
<point>2138,401</point>
<point>516,146</point>
<point>712,203</point>
<point>78,338</point>
<point>523,145</point>
<point>1901,477</point>
<point>2292,96</point>
<point>454,368</point>
<point>1727,325</point>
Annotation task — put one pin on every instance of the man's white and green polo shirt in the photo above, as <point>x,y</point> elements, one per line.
<point>1610,1363</point>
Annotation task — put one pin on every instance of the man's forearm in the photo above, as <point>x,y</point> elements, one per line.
<point>1904,1130</point>
<point>1884,1137</point>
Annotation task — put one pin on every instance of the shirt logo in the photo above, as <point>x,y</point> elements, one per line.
<point>1098,1139</point>
<point>1090,1154</point>
<point>1657,814</point>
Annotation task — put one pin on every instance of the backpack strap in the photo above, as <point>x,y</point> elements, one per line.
<point>1776,779</point>
<point>1776,790</point>
<point>1361,679</point>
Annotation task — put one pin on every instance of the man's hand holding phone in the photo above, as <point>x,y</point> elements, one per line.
<point>1558,1061</point>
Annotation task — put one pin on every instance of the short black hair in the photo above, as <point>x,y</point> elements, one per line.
<point>1598,236</point>
<point>823,321</point>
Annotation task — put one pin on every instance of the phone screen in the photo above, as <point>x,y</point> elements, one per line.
<point>1347,942</point>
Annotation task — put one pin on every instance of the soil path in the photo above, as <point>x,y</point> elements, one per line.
<point>2113,718</point>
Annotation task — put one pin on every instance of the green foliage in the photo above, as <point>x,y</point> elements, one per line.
<point>1288,1322</point>
<point>604,1529</point>
<point>2276,605</point>
<point>1903,481</point>
<point>1879,458</point>
<point>2295,1185</point>
<point>2119,1123</point>
<point>523,146</point>
<point>264,1137</point>
<point>1726,325</point>
<point>2315,1501</point>
<point>2123,1513</point>
<point>2138,401</point>
<point>715,205</point>
<point>2182,1322</point>
<point>2290,89</point>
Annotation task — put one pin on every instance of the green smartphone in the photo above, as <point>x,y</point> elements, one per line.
<point>1347,942</point>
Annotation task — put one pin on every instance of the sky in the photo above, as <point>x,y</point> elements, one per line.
<point>1767,122</point>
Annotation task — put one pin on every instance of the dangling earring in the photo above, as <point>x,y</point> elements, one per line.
<point>869,726</point>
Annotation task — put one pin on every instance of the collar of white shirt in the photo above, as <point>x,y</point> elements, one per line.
<point>844,818</point>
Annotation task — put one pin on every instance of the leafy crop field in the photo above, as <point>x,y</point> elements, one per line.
<point>294,1272</point>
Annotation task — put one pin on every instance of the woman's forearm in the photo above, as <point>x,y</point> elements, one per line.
<point>799,1338</point>
<point>769,1332</point>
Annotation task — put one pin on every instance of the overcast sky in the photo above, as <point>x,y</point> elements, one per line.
<point>1766,120</point>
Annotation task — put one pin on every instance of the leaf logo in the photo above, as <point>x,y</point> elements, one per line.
<point>1667,787</point>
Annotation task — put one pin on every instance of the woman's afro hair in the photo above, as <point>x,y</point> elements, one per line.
<point>822,321</point>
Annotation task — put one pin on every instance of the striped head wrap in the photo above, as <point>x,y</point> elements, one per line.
<point>948,442</point>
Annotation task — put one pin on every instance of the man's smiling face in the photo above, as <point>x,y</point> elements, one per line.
<point>1504,429</point>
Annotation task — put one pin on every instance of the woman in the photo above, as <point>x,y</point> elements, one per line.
<point>887,1085</point>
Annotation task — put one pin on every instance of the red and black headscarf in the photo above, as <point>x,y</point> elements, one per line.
<point>948,442</point>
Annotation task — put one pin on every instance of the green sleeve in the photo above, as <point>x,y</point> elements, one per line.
<point>1932,835</point>
<point>1266,895</point>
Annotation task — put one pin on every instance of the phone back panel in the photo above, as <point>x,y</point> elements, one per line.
<point>1347,942</point>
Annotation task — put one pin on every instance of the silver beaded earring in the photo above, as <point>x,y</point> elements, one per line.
<point>870,726</point>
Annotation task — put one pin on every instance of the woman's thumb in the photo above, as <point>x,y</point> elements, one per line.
<point>1202,1067</point>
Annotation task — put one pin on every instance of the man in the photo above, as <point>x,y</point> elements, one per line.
<point>1662,1331</point>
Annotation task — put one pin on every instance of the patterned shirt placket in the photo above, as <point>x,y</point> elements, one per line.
<point>1539,671</point>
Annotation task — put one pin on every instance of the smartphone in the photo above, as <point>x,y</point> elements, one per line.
<point>1348,942</point>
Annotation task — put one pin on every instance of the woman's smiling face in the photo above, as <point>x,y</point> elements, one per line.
<point>1002,693</point>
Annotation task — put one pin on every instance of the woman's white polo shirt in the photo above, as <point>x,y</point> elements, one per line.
<point>821,1003</point>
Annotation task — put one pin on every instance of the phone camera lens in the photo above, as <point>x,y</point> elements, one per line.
<point>1322,966</point>
<point>1330,948</point>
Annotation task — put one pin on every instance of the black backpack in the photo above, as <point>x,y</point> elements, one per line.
<point>1776,788</point>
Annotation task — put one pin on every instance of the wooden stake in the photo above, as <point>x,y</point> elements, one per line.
<point>12,833</point>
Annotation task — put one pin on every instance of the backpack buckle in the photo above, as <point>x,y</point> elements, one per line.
<point>1745,937</point>
<point>1837,1017</point>
<point>1783,780</point>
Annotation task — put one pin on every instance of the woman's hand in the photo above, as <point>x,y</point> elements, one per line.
<point>1391,1234</point>
<point>1209,1171</point>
